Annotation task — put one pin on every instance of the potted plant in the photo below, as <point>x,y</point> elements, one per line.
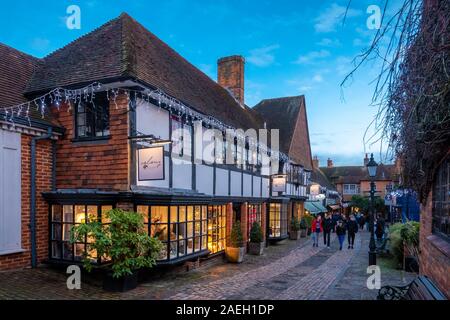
<point>303,227</point>
<point>123,242</point>
<point>294,233</point>
<point>235,250</point>
<point>256,245</point>
<point>308,218</point>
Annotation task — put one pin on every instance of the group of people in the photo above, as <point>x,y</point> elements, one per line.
<point>340,224</point>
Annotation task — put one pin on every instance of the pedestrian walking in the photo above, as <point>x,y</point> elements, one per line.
<point>340,232</point>
<point>352,229</point>
<point>362,221</point>
<point>327,227</point>
<point>317,228</point>
<point>379,231</point>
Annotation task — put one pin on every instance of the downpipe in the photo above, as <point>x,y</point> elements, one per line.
<point>34,141</point>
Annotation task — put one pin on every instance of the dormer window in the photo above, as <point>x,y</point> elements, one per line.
<point>92,118</point>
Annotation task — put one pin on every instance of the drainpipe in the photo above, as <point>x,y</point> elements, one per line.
<point>34,141</point>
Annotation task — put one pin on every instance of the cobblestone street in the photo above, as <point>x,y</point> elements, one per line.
<point>293,270</point>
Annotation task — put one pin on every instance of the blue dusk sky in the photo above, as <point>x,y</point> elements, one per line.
<point>291,48</point>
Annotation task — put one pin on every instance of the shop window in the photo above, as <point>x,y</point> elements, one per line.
<point>253,215</point>
<point>182,229</point>
<point>277,220</point>
<point>441,201</point>
<point>216,228</point>
<point>92,118</point>
<point>63,218</point>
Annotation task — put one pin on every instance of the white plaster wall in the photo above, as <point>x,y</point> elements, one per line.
<point>247,185</point>
<point>257,187</point>
<point>204,179</point>
<point>182,174</point>
<point>221,182</point>
<point>235,183</point>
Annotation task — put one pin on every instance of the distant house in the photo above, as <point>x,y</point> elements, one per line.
<point>323,190</point>
<point>355,180</point>
<point>127,146</point>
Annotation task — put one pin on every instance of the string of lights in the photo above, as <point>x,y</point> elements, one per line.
<point>58,96</point>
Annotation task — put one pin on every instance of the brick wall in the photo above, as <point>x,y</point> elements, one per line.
<point>434,252</point>
<point>101,164</point>
<point>230,75</point>
<point>43,183</point>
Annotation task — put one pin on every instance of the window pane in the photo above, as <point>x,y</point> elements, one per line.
<point>68,214</point>
<point>56,231</point>
<point>182,212</point>
<point>159,214</point>
<point>190,213</point>
<point>56,213</point>
<point>105,210</point>
<point>67,251</point>
<point>56,250</point>
<point>144,211</point>
<point>80,214</point>
<point>173,214</point>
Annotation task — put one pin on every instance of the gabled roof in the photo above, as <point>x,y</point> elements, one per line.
<point>288,114</point>
<point>355,174</point>
<point>317,176</point>
<point>16,69</point>
<point>123,49</point>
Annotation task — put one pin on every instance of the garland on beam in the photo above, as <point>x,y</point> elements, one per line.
<point>59,95</point>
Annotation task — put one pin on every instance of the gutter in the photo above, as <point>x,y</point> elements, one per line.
<point>34,141</point>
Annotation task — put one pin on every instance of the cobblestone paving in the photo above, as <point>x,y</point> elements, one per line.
<point>292,270</point>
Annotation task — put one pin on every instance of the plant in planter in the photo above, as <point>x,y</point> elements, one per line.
<point>303,227</point>
<point>236,249</point>
<point>308,219</point>
<point>256,245</point>
<point>294,233</point>
<point>124,242</point>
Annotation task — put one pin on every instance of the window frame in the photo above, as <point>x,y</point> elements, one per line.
<point>441,201</point>
<point>99,99</point>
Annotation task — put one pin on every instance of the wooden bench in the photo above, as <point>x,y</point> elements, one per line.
<point>422,288</point>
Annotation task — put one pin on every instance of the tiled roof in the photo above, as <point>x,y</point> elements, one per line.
<point>319,177</point>
<point>354,174</point>
<point>123,49</point>
<point>16,69</point>
<point>288,114</point>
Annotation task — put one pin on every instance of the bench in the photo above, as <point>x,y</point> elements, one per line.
<point>422,288</point>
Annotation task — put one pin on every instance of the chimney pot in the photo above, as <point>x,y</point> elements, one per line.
<point>230,75</point>
<point>316,162</point>
<point>329,163</point>
<point>366,159</point>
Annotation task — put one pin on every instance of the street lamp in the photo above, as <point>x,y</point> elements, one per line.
<point>372,169</point>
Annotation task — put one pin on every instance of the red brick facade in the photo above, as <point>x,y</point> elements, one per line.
<point>100,164</point>
<point>434,252</point>
<point>43,184</point>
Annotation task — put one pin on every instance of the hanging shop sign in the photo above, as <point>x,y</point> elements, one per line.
<point>151,164</point>
<point>279,183</point>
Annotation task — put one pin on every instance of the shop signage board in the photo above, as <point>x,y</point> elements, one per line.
<point>151,164</point>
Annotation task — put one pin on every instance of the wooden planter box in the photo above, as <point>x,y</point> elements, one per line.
<point>256,248</point>
<point>122,284</point>
<point>235,255</point>
<point>303,233</point>
<point>294,235</point>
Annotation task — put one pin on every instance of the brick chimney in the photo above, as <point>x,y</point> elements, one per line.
<point>315,162</point>
<point>230,75</point>
<point>366,160</point>
<point>329,163</point>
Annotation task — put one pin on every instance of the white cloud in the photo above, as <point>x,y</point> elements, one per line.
<point>262,57</point>
<point>332,16</point>
<point>312,57</point>
<point>327,42</point>
<point>40,44</point>
<point>318,78</point>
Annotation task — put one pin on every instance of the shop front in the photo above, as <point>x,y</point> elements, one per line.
<point>277,227</point>
<point>188,227</point>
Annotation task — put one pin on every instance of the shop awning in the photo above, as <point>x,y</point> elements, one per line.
<point>334,207</point>
<point>315,207</point>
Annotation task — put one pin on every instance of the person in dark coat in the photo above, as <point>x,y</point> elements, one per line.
<point>327,227</point>
<point>352,229</point>
<point>340,232</point>
<point>379,231</point>
<point>362,221</point>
